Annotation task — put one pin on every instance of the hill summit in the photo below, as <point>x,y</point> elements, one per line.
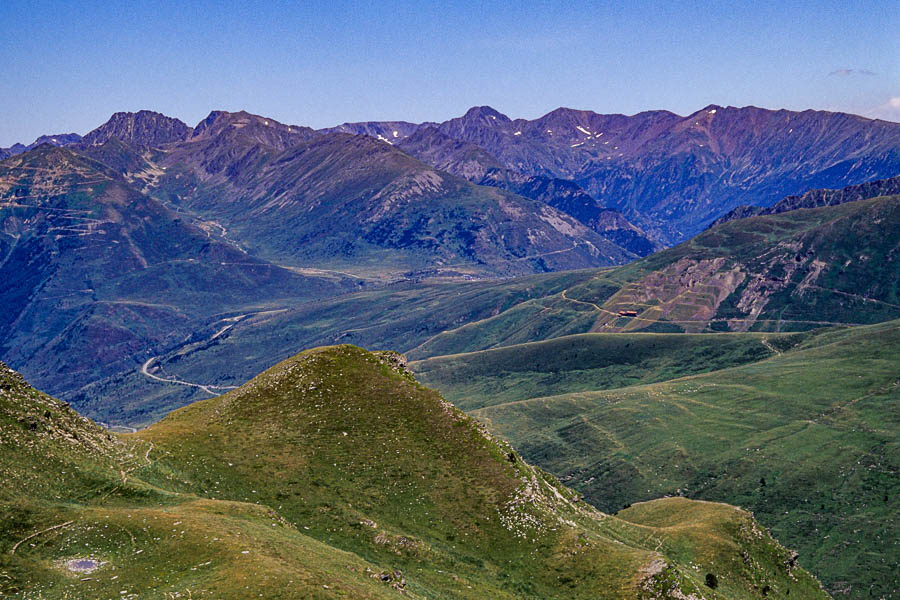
<point>336,474</point>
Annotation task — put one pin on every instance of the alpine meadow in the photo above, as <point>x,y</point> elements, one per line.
<point>415,347</point>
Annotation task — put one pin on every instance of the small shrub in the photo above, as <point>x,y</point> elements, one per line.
<point>712,581</point>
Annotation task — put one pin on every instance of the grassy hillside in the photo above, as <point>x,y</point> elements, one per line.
<point>70,494</point>
<point>399,316</point>
<point>794,271</point>
<point>807,439</point>
<point>588,362</point>
<point>335,474</point>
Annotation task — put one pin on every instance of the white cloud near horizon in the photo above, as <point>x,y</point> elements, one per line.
<point>849,72</point>
<point>889,111</point>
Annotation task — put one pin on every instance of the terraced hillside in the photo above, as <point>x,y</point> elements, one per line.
<point>793,271</point>
<point>802,429</point>
<point>335,474</point>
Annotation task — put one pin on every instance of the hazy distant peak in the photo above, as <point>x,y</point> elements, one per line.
<point>486,114</point>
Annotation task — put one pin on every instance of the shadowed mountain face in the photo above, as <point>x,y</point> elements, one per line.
<point>96,274</point>
<point>334,475</point>
<point>673,175</point>
<point>817,198</point>
<point>352,201</point>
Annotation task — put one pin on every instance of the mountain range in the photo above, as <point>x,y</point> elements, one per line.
<point>673,175</point>
<point>647,305</point>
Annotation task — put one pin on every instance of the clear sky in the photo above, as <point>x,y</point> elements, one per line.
<point>66,66</point>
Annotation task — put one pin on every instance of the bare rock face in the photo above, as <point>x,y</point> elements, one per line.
<point>143,129</point>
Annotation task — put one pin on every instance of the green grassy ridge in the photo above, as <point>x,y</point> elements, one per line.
<point>400,316</point>
<point>806,439</point>
<point>439,491</point>
<point>859,283</point>
<point>70,493</point>
<point>276,508</point>
<point>588,362</point>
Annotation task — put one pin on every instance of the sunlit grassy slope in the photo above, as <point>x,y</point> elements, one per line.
<point>589,362</point>
<point>335,474</point>
<point>807,438</point>
<point>795,271</point>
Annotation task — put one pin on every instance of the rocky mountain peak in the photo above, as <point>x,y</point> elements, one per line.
<point>249,127</point>
<point>143,129</point>
<point>485,115</point>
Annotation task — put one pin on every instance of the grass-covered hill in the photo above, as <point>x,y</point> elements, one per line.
<point>336,475</point>
<point>800,428</point>
<point>792,271</point>
<point>589,362</point>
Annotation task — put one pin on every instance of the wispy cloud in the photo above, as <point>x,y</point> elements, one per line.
<point>849,72</point>
<point>889,111</point>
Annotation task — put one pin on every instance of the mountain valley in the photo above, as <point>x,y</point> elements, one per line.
<point>663,313</point>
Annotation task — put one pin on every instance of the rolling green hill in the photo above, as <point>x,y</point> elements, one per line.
<point>802,429</point>
<point>589,362</point>
<point>335,474</point>
<point>793,271</point>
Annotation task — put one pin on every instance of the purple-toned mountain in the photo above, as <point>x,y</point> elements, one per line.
<point>350,201</point>
<point>143,129</point>
<point>817,198</point>
<point>470,161</point>
<point>392,132</point>
<point>60,139</point>
<point>674,175</point>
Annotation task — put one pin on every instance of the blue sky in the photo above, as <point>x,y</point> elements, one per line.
<point>68,65</point>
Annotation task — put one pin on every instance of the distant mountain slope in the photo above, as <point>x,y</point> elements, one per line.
<point>806,439</point>
<point>388,131</point>
<point>473,163</point>
<point>817,198</point>
<point>449,154</point>
<point>278,189</point>
<point>96,274</point>
<point>61,139</point>
<point>673,175</point>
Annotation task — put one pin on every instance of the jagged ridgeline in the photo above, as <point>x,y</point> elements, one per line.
<point>335,474</point>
